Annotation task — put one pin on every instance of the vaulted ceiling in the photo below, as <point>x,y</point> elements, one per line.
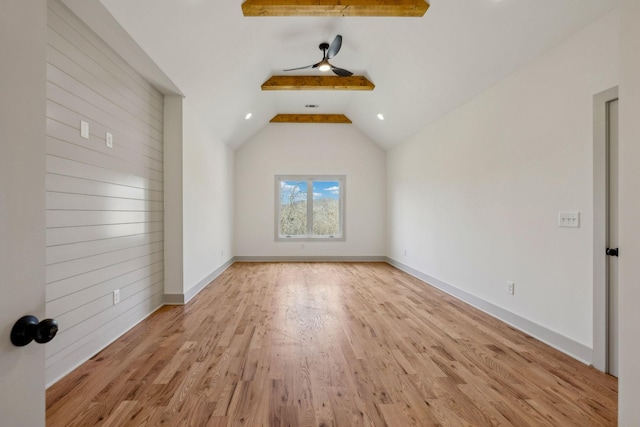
<point>422,67</point>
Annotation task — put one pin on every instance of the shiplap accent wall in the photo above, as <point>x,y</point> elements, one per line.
<point>104,205</point>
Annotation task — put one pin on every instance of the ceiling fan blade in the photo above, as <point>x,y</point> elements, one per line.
<point>303,68</point>
<point>336,44</point>
<point>341,71</point>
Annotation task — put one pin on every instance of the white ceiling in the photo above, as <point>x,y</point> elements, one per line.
<point>422,67</point>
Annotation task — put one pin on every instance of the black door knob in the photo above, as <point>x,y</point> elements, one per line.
<point>27,329</point>
<point>46,330</point>
<point>612,252</point>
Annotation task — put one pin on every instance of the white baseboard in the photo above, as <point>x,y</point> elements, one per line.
<point>560,342</point>
<point>311,259</point>
<point>181,299</point>
<point>173,299</point>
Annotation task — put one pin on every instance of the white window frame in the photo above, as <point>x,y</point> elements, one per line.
<point>309,237</point>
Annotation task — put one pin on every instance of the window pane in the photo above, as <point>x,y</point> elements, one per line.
<point>326,208</point>
<point>293,208</point>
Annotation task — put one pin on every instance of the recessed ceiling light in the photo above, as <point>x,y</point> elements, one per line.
<point>380,116</point>
<point>248,116</point>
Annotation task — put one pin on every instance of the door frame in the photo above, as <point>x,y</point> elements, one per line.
<point>600,358</point>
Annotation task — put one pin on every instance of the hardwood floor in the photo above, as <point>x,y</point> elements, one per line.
<point>329,344</point>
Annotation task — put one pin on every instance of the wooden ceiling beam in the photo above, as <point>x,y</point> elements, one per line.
<point>310,118</point>
<point>399,8</point>
<point>317,83</point>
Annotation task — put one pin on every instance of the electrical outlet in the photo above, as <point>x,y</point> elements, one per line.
<point>116,296</point>
<point>109,139</point>
<point>511,288</point>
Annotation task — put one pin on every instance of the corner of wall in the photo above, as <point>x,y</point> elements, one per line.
<point>173,206</point>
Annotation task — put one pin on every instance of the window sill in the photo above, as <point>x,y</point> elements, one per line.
<point>310,239</point>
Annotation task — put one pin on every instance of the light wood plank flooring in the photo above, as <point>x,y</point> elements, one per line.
<point>329,344</point>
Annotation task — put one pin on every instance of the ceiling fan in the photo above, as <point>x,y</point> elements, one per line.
<point>328,52</point>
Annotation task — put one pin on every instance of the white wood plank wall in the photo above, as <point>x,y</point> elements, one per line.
<point>104,205</point>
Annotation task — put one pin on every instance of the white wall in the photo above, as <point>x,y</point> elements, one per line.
<point>314,149</point>
<point>208,195</point>
<point>474,198</point>
<point>629,410</point>
<point>198,203</point>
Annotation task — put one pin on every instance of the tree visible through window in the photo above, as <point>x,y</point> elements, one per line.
<point>310,207</point>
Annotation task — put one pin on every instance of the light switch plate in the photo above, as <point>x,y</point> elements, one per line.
<point>84,129</point>
<point>569,219</point>
<point>511,288</point>
<point>109,139</point>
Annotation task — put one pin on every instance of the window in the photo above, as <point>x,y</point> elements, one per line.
<point>310,207</point>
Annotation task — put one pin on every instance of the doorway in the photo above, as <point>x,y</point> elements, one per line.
<point>605,232</point>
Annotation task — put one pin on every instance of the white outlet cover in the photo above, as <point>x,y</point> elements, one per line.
<point>116,296</point>
<point>84,129</point>
<point>109,139</point>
